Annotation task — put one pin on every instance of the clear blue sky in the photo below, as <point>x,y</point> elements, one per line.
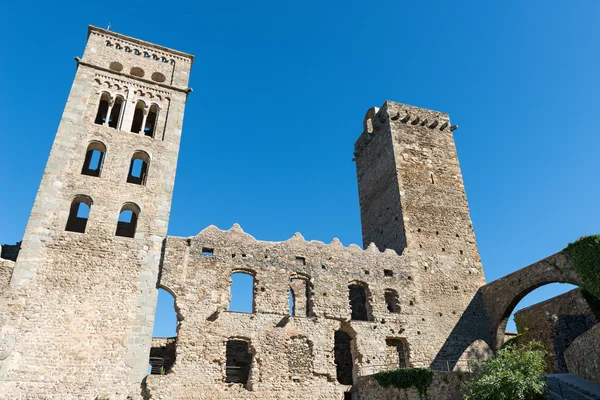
<point>280,90</point>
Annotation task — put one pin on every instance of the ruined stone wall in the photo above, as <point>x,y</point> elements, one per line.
<point>294,355</point>
<point>444,386</point>
<point>81,305</point>
<point>555,323</point>
<point>583,355</point>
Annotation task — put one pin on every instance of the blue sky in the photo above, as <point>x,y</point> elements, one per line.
<point>280,90</point>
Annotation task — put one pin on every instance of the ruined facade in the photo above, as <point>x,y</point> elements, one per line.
<point>79,309</point>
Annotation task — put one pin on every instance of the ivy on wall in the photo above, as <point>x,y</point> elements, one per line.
<point>585,255</point>
<point>404,378</point>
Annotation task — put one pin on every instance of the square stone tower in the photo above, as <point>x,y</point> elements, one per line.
<point>83,291</point>
<point>410,185</point>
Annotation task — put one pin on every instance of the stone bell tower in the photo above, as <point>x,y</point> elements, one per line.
<point>87,271</point>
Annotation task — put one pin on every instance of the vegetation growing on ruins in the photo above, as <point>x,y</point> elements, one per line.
<point>403,378</point>
<point>513,374</point>
<point>585,255</point>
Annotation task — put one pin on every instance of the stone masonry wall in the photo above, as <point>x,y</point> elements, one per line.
<point>444,386</point>
<point>555,323</point>
<point>583,355</point>
<point>80,308</point>
<point>200,284</point>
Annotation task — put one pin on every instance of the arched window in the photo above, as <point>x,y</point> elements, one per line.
<point>359,302</point>
<point>128,218</point>
<point>138,169</point>
<point>94,158</point>
<point>138,117</point>
<point>391,299</point>
<point>115,113</point>
<point>396,353</point>
<point>79,213</point>
<point>242,292</point>
<point>300,304</point>
<point>102,108</point>
<point>151,121</point>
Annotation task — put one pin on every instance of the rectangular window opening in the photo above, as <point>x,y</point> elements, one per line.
<point>207,251</point>
<point>301,260</point>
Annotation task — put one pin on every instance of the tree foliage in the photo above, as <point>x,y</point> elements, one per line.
<point>513,374</point>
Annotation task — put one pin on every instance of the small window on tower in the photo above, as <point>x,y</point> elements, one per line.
<point>151,121</point>
<point>79,214</point>
<point>102,109</point>
<point>138,117</point>
<point>115,112</point>
<point>138,168</point>
<point>94,158</point>
<point>128,218</point>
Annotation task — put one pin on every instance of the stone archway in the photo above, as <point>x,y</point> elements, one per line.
<point>502,296</point>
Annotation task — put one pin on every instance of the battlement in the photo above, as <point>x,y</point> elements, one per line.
<point>404,113</point>
<point>237,234</point>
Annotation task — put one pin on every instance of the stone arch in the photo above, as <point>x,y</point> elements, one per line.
<point>502,296</point>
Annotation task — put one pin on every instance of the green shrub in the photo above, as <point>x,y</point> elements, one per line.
<point>513,374</point>
<point>585,255</point>
<point>403,378</point>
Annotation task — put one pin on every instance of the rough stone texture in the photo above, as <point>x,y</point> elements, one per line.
<point>555,323</point>
<point>444,386</point>
<point>81,305</point>
<point>502,296</point>
<point>583,355</point>
<point>6,270</point>
<point>78,314</point>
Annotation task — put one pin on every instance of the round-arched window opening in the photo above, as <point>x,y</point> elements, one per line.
<point>137,71</point>
<point>158,77</point>
<point>116,66</point>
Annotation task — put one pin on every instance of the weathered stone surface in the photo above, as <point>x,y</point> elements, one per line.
<point>444,386</point>
<point>555,323</point>
<point>78,314</point>
<point>583,355</point>
<point>81,305</point>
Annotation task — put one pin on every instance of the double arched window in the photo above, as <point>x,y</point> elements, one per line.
<point>143,121</point>
<point>107,112</point>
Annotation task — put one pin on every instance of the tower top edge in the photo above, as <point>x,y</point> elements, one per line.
<point>115,35</point>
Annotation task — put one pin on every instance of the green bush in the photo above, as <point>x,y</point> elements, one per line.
<point>403,378</point>
<point>513,374</point>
